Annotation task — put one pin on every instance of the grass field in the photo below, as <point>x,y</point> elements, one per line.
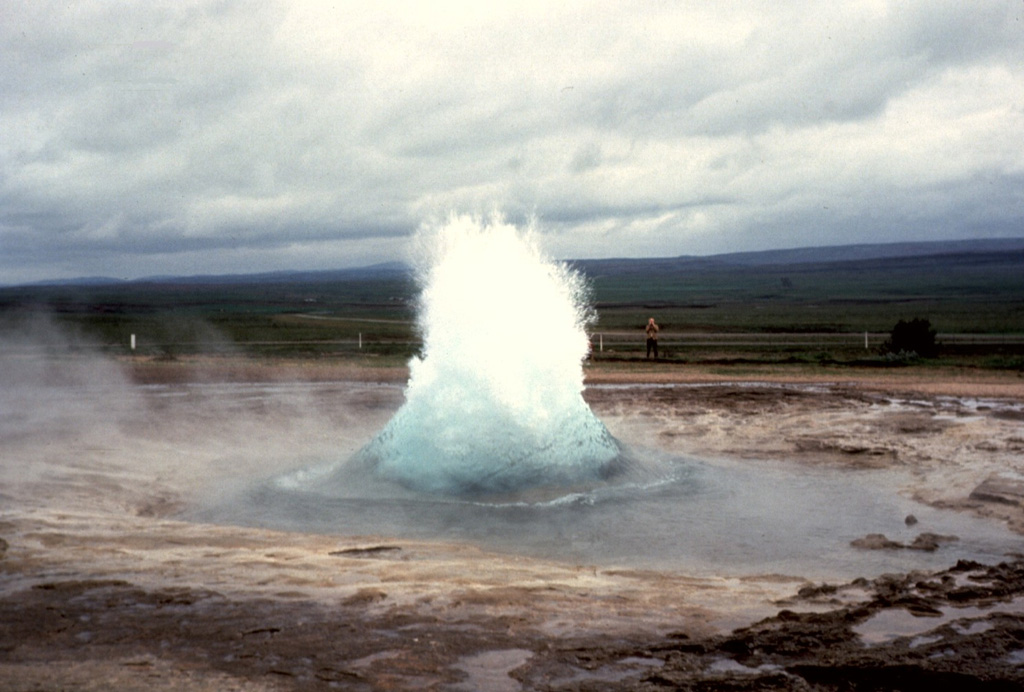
<point>811,315</point>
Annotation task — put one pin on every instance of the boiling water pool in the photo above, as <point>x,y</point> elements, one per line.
<point>701,517</point>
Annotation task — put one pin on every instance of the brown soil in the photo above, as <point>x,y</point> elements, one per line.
<point>102,588</point>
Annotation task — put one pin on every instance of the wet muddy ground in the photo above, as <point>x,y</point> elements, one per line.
<point>102,586</point>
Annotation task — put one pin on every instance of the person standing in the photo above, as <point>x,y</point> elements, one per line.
<point>652,338</point>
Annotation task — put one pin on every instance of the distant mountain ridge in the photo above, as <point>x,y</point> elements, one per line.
<point>374,271</point>
<point>830,254</point>
<point>848,253</point>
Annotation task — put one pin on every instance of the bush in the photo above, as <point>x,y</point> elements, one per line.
<point>915,336</point>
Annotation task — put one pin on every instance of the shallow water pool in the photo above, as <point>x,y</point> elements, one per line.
<point>701,517</point>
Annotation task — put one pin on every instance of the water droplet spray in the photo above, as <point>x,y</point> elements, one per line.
<point>494,402</point>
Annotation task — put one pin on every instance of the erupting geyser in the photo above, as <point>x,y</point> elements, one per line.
<point>494,403</point>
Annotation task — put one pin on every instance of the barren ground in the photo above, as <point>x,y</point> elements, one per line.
<point>101,587</point>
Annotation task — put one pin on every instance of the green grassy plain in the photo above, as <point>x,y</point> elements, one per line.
<point>801,316</point>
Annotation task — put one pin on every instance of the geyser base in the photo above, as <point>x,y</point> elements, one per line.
<point>492,454</point>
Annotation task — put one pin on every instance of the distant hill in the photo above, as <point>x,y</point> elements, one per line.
<point>808,256</point>
<point>375,271</point>
<point>78,281</point>
<point>835,254</point>
<point>850,253</point>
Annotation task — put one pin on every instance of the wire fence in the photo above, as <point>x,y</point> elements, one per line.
<point>599,341</point>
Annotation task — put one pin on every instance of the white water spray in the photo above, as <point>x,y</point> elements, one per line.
<point>495,401</point>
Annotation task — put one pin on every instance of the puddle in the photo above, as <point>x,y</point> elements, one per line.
<point>623,669</point>
<point>894,623</point>
<point>490,671</point>
<point>727,665</point>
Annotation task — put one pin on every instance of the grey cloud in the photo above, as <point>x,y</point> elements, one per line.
<point>587,157</point>
<point>180,131</point>
<point>951,33</point>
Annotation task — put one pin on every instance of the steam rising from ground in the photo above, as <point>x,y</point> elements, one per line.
<point>494,402</point>
<point>77,430</point>
<point>40,364</point>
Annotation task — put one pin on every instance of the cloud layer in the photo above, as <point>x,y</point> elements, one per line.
<point>232,136</point>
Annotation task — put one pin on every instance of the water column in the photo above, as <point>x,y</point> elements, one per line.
<point>494,402</point>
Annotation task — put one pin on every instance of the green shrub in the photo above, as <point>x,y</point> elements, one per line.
<point>913,337</point>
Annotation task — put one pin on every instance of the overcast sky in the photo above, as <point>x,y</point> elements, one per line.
<point>228,137</point>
